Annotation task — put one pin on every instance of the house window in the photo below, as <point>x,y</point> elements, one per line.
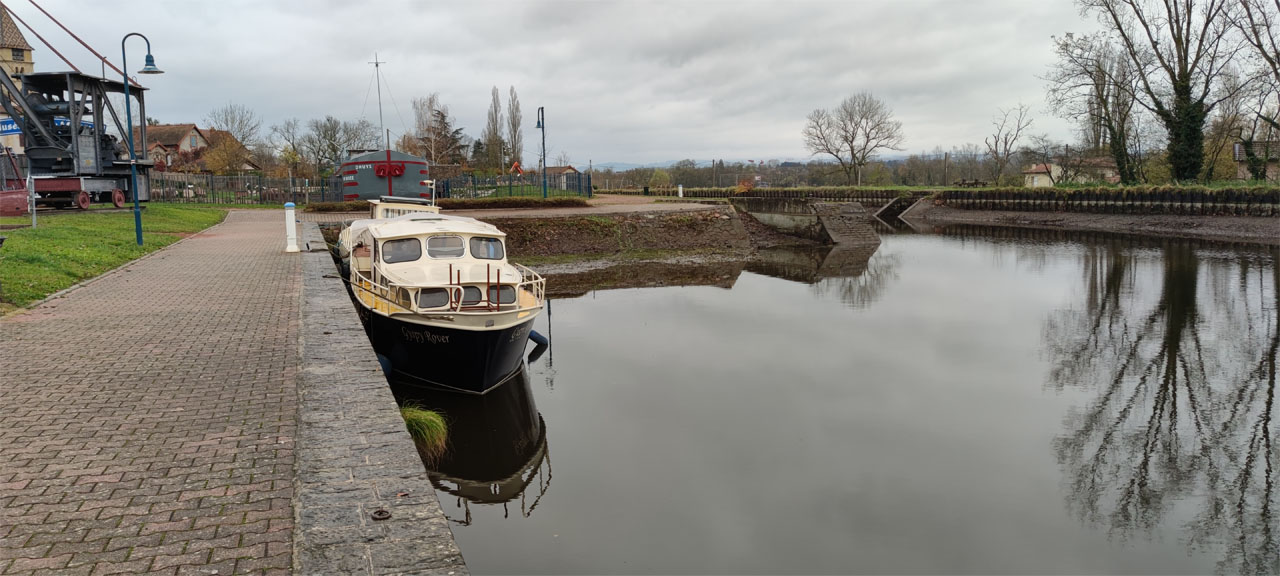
<point>193,141</point>
<point>18,54</point>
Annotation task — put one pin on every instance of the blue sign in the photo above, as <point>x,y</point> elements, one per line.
<point>8,126</point>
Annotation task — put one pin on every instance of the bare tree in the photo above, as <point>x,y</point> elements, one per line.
<point>515,133</point>
<point>492,137</point>
<point>1257,21</point>
<point>1003,142</point>
<point>1179,49</point>
<point>1094,83</point>
<point>238,120</point>
<point>1044,150</point>
<point>328,140</point>
<point>562,159</point>
<point>859,128</point>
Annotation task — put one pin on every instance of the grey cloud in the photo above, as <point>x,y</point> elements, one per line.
<point>621,81</point>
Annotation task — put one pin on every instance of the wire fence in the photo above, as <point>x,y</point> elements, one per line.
<point>177,187</point>
<point>470,186</point>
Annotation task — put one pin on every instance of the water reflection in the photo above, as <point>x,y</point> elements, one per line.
<point>858,274</point>
<point>1177,343</point>
<point>643,275</point>
<point>497,449</point>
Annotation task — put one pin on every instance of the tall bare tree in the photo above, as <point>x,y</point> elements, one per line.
<point>238,120</point>
<point>853,133</point>
<point>1003,142</point>
<point>1094,83</point>
<point>1258,21</point>
<point>1179,50</point>
<point>492,137</point>
<point>328,140</point>
<point>515,133</point>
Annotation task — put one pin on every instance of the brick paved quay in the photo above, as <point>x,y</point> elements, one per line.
<point>149,417</point>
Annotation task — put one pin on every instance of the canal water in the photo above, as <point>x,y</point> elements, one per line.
<point>975,401</point>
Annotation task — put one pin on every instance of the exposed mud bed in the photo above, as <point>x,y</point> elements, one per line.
<point>1253,229</point>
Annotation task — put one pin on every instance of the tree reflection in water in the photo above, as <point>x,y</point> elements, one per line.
<point>1180,346</point>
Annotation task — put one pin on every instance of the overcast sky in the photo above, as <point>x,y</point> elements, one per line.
<point>621,81</point>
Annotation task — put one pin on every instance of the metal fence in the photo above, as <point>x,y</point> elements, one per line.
<point>470,186</point>
<point>240,189</point>
<point>254,189</point>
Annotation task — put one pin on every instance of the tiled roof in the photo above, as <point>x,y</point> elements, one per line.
<point>10,36</point>
<point>168,135</point>
<point>1037,169</point>
<point>558,170</point>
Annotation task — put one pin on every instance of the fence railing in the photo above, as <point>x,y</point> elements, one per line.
<point>869,197</point>
<point>240,189</point>
<point>469,186</point>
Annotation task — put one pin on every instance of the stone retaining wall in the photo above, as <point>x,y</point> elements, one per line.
<point>354,455</point>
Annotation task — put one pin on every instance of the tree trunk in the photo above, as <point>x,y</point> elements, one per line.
<point>1185,123</point>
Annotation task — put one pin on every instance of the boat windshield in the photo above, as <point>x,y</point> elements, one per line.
<point>402,250</point>
<point>444,246</point>
<point>486,248</point>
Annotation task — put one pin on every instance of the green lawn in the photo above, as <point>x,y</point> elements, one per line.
<point>70,246</point>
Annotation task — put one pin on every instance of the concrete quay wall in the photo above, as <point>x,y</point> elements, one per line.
<point>354,455</point>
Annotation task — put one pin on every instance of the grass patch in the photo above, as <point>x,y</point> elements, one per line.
<point>69,247</point>
<point>427,428</point>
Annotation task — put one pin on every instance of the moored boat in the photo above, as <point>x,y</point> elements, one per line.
<point>440,302</point>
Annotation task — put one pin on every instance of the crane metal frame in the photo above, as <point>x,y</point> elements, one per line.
<point>71,157</point>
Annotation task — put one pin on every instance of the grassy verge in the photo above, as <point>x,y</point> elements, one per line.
<point>69,247</point>
<point>427,428</point>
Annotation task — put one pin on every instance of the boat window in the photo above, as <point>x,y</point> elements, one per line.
<point>433,297</point>
<point>444,247</point>
<point>402,250</point>
<point>486,248</point>
<point>504,295</point>
<point>470,295</point>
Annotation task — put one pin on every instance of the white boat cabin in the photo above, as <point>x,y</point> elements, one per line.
<point>427,262</point>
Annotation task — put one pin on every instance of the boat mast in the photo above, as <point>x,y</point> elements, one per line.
<point>378,72</point>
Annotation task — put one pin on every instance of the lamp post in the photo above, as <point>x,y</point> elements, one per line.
<point>148,68</point>
<point>543,127</point>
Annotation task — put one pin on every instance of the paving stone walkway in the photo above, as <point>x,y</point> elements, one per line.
<point>147,419</point>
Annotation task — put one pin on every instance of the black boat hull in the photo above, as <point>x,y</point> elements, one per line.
<point>472,361</point>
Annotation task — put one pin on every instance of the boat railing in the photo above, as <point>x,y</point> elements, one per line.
<point>405,295</point>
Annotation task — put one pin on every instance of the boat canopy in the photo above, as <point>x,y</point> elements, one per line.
<point>418,224</point>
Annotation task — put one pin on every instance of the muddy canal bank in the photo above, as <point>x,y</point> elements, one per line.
<point>1251,229</point>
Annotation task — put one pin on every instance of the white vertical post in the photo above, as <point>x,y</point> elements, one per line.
<point>680,190</point>
<point>290,229</point>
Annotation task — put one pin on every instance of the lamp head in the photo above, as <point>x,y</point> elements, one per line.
<point>150,67</point>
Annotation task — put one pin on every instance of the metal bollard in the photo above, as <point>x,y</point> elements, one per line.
<point>290,229</point>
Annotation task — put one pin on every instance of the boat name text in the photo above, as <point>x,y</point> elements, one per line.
<point>423,337</point>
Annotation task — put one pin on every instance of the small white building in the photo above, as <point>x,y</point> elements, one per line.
<point>1042,175</point>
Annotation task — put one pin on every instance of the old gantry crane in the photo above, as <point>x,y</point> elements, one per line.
<point>73,157</point>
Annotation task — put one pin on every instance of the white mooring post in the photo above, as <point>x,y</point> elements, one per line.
<point>680,190</point>
<point>290,229</point>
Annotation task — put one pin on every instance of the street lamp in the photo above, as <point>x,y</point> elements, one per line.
<point>543,127</point>
<point>148,68</point>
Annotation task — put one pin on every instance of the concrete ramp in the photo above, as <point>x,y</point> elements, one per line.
<point>846,222</point>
